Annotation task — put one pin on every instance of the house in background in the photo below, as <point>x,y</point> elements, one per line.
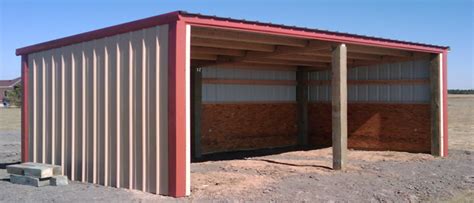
<point>6,85</point>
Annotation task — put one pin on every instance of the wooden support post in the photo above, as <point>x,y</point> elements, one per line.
<point>435,70</point>
<point>302,99</point>
<point>339,106</point>
<point>196,110</point>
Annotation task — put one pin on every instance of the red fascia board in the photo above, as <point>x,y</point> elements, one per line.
<point>104,32</point>
<point>296,32</point>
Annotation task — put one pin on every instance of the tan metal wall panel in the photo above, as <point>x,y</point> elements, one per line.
<point>99,109</point>
<point>31,112</point>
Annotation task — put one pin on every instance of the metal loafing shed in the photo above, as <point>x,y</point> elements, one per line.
<point>128,105</point>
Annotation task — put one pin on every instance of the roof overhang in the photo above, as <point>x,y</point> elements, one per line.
<point>228,23</point>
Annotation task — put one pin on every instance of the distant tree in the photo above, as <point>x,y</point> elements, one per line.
<point>459,91</point>
<point>14,96</point>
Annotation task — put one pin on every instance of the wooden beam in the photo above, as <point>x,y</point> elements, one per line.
<point>362,56</point>
<point>285,50</point>
<point>249,82</point>
<point>227,44</point>
<point>250,102</point>
<point>253,66</point>
<point>365,82</point>
<point>196,111</point>
<point>351,55</point>
<point>305,58</point>
<point>352,48</point>
<point>262,57</point>
<point>240,36</point>
<point>217,51</point>
<point>436,133</point>
<point>200,56</point>
<point>339,106</point>
<point>302,100</point>
<point>286,62</point>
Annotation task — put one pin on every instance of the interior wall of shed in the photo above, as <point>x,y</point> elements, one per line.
<point>249,93</point>
<point>239,116</point>
<point>388,107</point>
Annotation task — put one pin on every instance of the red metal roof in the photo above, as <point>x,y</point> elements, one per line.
<point>217,21</point>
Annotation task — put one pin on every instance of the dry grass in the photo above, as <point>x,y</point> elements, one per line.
<point>10,119</point>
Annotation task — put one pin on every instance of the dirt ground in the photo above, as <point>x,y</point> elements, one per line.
<point>290,176</point>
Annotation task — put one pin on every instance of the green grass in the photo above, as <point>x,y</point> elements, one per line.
<point>10,119</point>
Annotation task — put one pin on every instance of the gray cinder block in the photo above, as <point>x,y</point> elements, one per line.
<point>58,180</point>
<point>26,180</point>
<point>34,169</point>
<point>56,169</point>
<point>17,169</point>
<point>39,171</point>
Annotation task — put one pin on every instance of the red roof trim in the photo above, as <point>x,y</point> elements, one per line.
<point>191,17</point>
<point>205,20</point>
<point>104,32</point>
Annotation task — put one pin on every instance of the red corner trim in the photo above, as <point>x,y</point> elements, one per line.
<point>177,109</point>
<point>24,108</point>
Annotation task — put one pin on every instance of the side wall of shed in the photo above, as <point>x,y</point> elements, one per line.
<point>100,110</point>
<point>388,107</point>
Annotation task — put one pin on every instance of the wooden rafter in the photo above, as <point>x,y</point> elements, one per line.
<point>285,50</point>
<point>244,65</point>
<point>365,82</point>
<point>195,41</point>
<point>352,48</point>
<point>217,51</point>
<point>248,82</point>
<point>201,56</point>
<point>266,57</point>
<point>221,47</point>
<point>306,58</point>
<point>286,62</point>
<point>241,36</point>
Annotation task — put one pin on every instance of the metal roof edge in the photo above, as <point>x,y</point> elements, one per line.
<point>328,32</point>
<point>103,32</point>
<point>179,15</point>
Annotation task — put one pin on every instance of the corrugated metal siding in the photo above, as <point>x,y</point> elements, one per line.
<point>247,93</point>
<point>99,109</point>
<point>400,93</point>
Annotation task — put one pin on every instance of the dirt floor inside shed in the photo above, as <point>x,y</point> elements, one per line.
<point>292,175</point>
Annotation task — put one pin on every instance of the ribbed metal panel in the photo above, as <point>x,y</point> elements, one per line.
<point>402,93</point>
<point>99,109</point>
<point>233,73</point>
<point>247,93</point>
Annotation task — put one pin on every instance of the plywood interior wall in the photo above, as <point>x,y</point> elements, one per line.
<point>99,109</point>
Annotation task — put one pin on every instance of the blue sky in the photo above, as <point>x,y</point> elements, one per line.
<point>27,22</point>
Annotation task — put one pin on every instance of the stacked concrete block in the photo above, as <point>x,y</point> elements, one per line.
<point>36,174</point>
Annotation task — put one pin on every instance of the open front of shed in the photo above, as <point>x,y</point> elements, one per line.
<point>130,105</point>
